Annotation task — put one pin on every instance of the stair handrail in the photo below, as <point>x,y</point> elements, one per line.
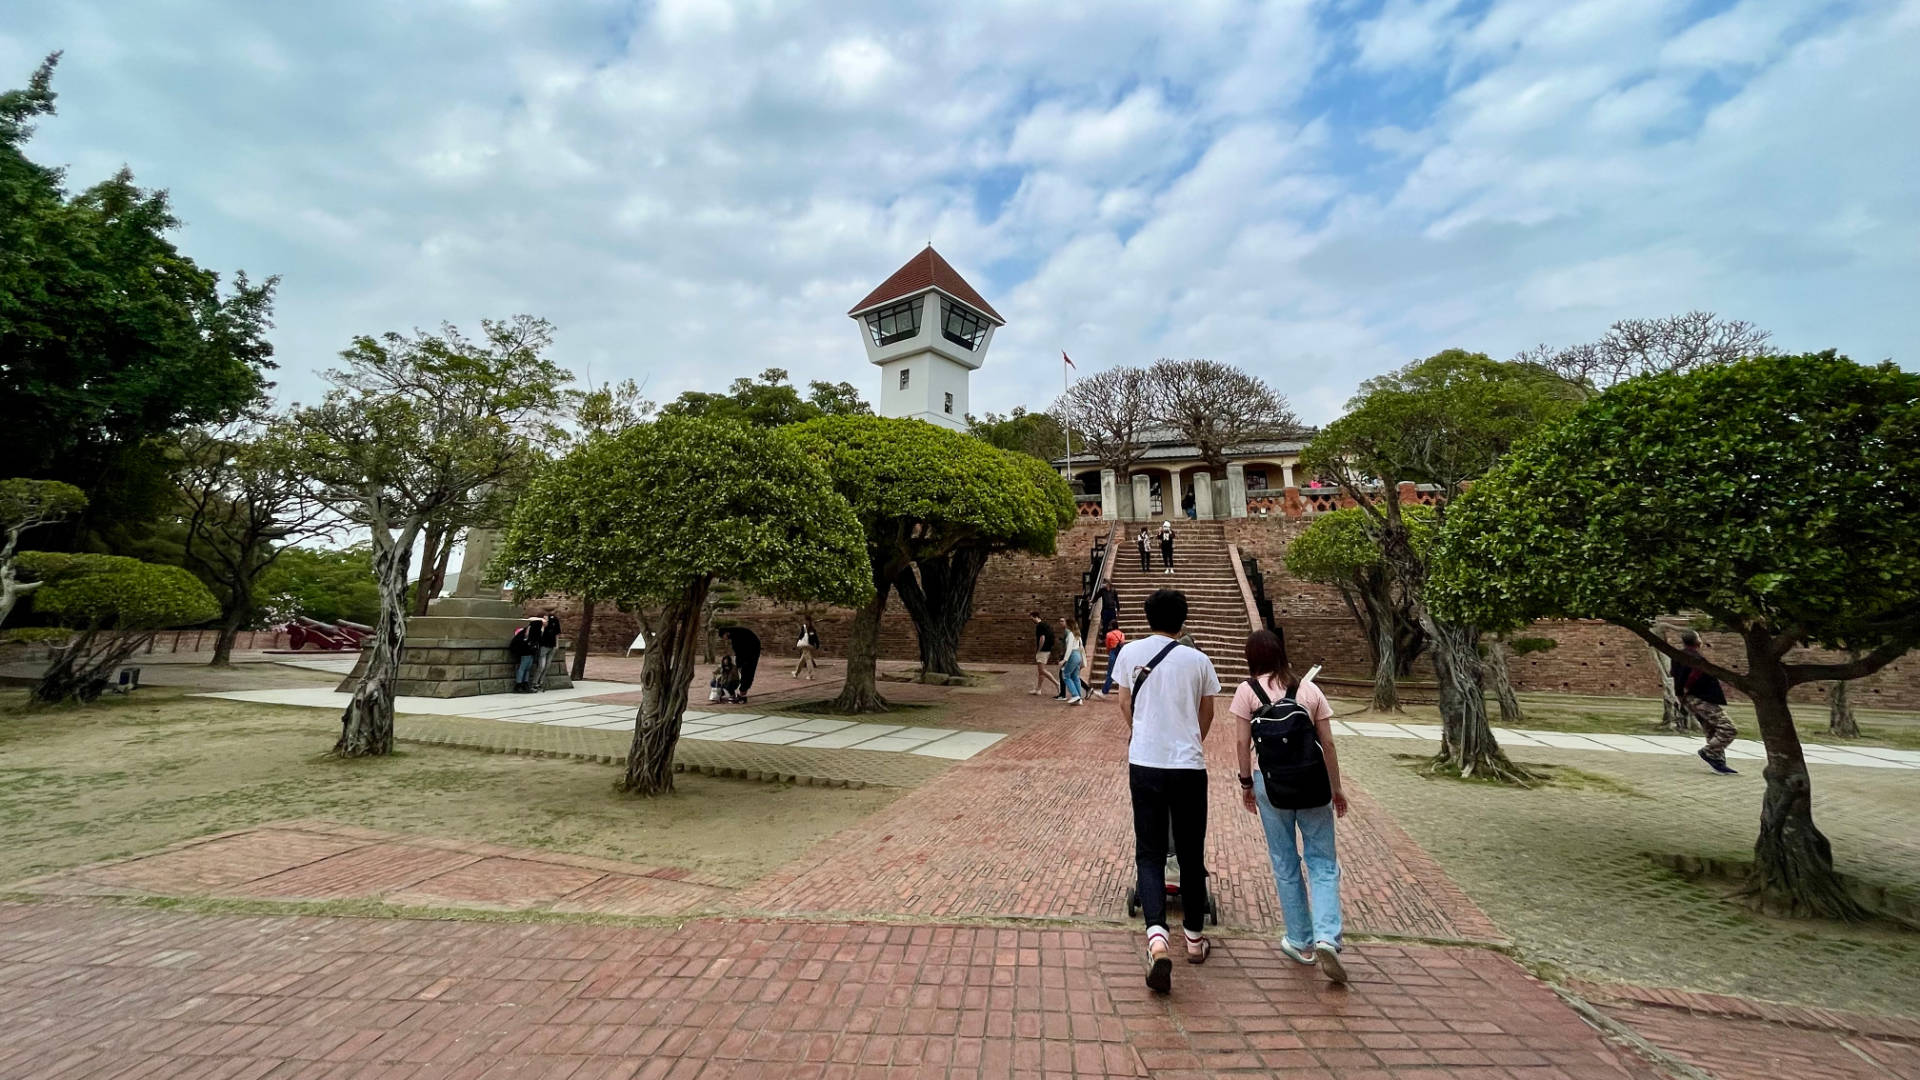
<point>1254,621</point>
<point>1099,578</point>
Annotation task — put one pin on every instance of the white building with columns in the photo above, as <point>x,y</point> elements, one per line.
<point>1171,480</point>
<point>928,331</point>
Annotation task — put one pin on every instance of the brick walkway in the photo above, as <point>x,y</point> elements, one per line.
<point>1039,825</point>
<point>93,993</point>
<point>1732,1047</point>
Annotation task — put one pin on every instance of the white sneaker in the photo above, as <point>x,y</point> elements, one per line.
<point>1073,701</point>
<point>1294,952</point>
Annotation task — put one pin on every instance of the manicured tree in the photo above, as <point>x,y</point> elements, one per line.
<point>420,429</point>
<point>652,516</point>
<point>937,590</point>
<point>604,411</point>
<point>116,604</point>
<point>1110,412</point>
<point>1778,496</point>
<point>1444,421</point>
<point>922,493</point>
<point>1338,549</point>
<point>1217,407</point>
<point>24,505</point>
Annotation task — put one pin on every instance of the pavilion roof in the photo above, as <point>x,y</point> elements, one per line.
<point>927,270</point>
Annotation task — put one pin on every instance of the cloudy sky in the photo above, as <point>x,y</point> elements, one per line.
<point>1319,191</point>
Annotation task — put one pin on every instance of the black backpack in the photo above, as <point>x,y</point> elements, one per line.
<point>1288,748</point>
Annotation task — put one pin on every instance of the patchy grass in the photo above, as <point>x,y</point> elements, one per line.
<point>79,785</point>
<point>1541,776</point>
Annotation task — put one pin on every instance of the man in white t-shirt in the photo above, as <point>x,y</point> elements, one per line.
<point>1166,697</point>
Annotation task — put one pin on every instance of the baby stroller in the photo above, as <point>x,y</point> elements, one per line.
<point>1173,887</point>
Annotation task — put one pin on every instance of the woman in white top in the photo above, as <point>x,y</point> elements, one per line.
<point>809,641</point>
<point>1076,659</point>
<point>1311,907</point>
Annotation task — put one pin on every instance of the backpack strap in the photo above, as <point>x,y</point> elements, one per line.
<point>1140,677</point>
<point>1259,692</point>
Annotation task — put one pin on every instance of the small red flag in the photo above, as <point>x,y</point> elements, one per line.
<point>1069,360</point>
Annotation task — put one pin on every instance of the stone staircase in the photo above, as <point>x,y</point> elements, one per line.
<point>1216,613</point>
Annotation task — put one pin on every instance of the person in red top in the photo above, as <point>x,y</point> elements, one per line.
<point>1114,639</point>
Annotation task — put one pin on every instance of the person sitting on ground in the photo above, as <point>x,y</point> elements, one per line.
<point>1042,654</point>
<point>1166,699</point>
<point>1302,795</point>
<point>522,647</point>
<point>725,681</point>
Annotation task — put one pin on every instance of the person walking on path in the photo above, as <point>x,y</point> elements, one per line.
<point>1042,654</point>
<point>1072,664</point>
<point>746,651</point>
<point>1166,546</point>
<point>522,647</point>
<point>1146,551</point>
<point>1114,639</point>
<point>549,641</point>
<point>1297,795</point>
<point>1109,608</point>
<point>1704,699</point>
<point>1166,699</point>
<point>809,642</point>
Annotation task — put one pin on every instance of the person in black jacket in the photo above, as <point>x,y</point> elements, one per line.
<point>1109,608</point>
<point>522,647</point>
<point>549,641</point>
<point>1042,654</point>
<point>1701,695</point>
<point>1146,553</point>
<point>746,652</point>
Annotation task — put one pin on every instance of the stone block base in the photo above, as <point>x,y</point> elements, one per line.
<point>455,669</point>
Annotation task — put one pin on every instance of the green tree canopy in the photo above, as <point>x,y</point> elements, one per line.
<point>653,515</point>
<point>922,493</point>
<point>1778,495</point>
<point>770,401</point>
<point>28,504</point>
<point>328,584</point>
<point>1034,434</point>
<point>1337,547</point>
<point>111,335</point>
<point>116,604</point>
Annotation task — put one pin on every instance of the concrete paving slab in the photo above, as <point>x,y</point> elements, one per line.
<point>777,738</point>
<point>848,736</point>
<point>1379,731</point>
<point>904,740</point>
<point>821,727</point>
<point>960,745</point>
<point>1429,732</point>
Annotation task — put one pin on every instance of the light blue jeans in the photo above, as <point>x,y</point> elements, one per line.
<point>523,670</point>
<point>1070,675</point>
<point>1308,920</point>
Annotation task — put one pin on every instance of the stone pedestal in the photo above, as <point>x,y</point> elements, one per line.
<point>459,647</point>
<point>1142,498</point>
<point>1203,496</point>
<point>1236,489</point>
<point>1109,495</point>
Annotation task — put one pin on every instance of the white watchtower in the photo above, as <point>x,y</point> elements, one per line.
<point>927,329</point>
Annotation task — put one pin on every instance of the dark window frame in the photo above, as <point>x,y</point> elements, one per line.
<point>962,325</point>
<point>896,322</point>
<point>949,403</point>
<point>905,379</point>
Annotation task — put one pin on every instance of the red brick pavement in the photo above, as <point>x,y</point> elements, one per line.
<point>1732,1047</point>
<point>94,992</point>
<point>1039,825</point>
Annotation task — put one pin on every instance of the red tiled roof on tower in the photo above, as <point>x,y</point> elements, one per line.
<point>925,269</point>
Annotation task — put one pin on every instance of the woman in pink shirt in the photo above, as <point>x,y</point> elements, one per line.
<point>1311,907</point>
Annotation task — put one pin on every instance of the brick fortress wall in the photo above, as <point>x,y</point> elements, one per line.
<point>1590,658</point>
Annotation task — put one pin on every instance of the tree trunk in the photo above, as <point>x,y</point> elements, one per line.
<point>1386,656</point>
<point>665,675</point>
<point>12,589</point>
<point>860,693</point>
<point>1496,671</point>
<point>940,601</point>
<point>1793,870</point>
<point>1840,718</point>
<point>366,727</point>
<point>1466,739</point>
<point>426,588</point>
<point>1673,716</point>
<point>229,629</point>
<point>583,639</point>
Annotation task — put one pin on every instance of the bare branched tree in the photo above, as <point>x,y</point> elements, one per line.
<point>1109,411</point>
<point>1641,346</point>
<point>1217,406</point>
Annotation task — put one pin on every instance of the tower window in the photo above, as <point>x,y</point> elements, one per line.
<point>904,374</point>
<point>896,323</point>
<point>963,327</point>
<point>949,404</point>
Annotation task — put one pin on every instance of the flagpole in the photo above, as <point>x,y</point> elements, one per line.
<point>1066,419</point>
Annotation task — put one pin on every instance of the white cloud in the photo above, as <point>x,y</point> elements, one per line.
<point>695,189</point>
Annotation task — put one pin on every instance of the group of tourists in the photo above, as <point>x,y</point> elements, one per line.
<point>531,649</point>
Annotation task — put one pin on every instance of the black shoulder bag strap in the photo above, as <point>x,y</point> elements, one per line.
<point>1140,677</point>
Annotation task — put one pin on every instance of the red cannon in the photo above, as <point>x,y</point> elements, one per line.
<point>335,637</point>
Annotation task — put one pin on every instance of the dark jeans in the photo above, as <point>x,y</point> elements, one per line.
<point>1146,559</point>
<point>1113,657</point>
<point>1170,802</point>
<point>748,665</point>
<point>1166,554</point>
